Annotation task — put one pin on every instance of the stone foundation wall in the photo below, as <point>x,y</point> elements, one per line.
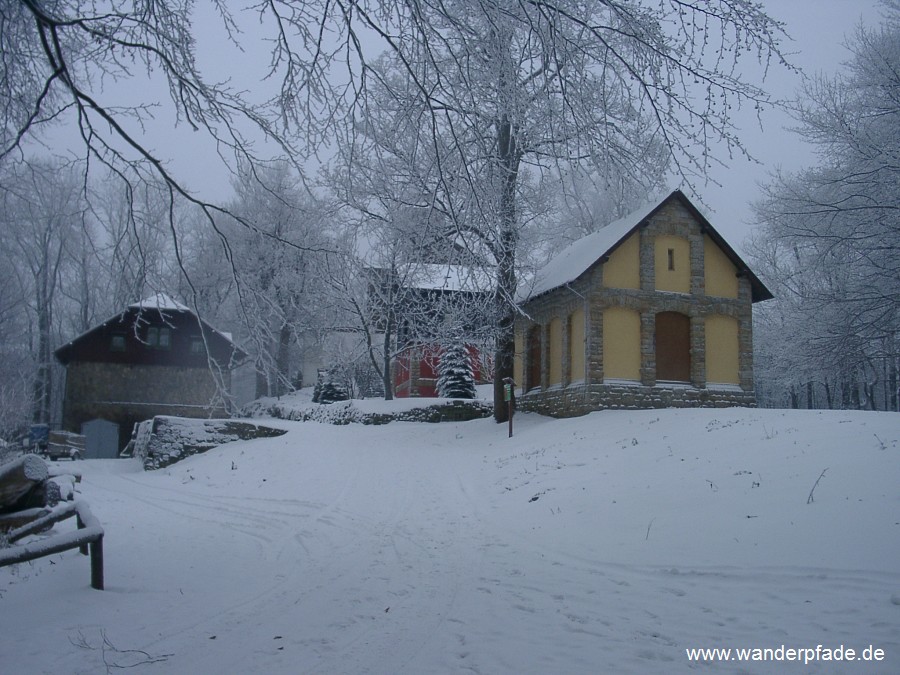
<point>580,399</point>
<point>127,394</point>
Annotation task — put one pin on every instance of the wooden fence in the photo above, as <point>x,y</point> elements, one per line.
<point>88,538</point>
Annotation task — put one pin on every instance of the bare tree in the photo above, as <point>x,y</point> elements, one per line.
<point>279,285</point>
<point>122,253</point>
<point>518,86</point>
<point>43,207</point>
<point>132,240</point>
<point>15,357</point>
<point>510,91</point>
<point>831,233</point>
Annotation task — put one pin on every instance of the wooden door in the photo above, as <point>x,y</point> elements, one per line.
<point>673,347</point>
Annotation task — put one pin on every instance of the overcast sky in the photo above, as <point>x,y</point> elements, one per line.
<point>818,29</point>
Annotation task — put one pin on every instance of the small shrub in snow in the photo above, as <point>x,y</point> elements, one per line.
<point>330,387</point>
<point>456,376</point>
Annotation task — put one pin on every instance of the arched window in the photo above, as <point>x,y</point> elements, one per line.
<point>673,347</point>
<point>621,344</point>
<point>576,346</point>
<point>555,351</point>
<point>722,350</point>
<point>534,358</point>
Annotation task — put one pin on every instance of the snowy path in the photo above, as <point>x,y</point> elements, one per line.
<point>421,549</point>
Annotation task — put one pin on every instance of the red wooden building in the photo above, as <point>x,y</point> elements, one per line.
<point>416,370</point>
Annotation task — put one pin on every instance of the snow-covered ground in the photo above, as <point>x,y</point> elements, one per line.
<point>609,543</point>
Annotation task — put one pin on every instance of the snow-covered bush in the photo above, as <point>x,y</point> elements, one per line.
<point>456,376</point>
<point>331,387</point>
<point>349,412</point>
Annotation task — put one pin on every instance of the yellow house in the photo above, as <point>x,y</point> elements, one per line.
<point>654,310</point>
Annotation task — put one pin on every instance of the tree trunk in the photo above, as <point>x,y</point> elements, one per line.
<point>283,360</point>
<point>44,493</point>
<point>893,385</point>
<point>386,380</point>
<point>504,299</point>
<point>262,382</point>
<point>869,394</point>
<point>42,381</point>
<point>18,478</point>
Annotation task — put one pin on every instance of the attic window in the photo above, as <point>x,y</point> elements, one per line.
<point>159,337</point>
<point>117,343</point>
<point>671,258</point>
<point>197,345</point>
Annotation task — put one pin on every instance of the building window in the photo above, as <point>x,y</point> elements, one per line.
<point>159,337</point>
<point>576,346</point>
<point>165,338</point>
<point>534,358</point>
<point>621,344</point>
<point>669,276</point>
<point>197,345</point>
<point>117,343</point>
<point>722,350</point>
<point>673,347</point>
<point>555,351</point>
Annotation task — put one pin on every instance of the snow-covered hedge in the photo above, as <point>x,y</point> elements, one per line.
<point>349,412</point>
<point>164,440</point>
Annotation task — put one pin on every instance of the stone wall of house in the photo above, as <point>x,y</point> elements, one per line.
<point>127,394</point>
<point>578,395</point>
<point>580,399</point>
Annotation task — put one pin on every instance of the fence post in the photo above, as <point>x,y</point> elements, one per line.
<point>97,564</point>
<point>83,549</point>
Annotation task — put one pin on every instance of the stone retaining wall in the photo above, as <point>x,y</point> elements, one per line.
<point>579,399</point>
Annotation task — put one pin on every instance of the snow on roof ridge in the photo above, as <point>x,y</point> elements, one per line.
<point>164,302</point>
<point>160,301</point>
<point>449,277</point>
<point>577,257</point>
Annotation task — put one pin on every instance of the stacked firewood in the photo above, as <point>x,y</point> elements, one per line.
<point>29,488</point>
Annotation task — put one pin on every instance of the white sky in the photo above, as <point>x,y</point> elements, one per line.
<point>818,29</point>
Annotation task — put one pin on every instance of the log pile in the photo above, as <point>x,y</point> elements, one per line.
<point>33,498</point>
<point>29,489</point>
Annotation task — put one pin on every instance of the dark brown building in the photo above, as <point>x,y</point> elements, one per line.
<point>155,358</point>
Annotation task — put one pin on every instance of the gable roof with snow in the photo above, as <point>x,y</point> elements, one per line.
<point>454,278</point>
<point>162,302</point>
<point>158,310</point>
<point>582,255</point>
